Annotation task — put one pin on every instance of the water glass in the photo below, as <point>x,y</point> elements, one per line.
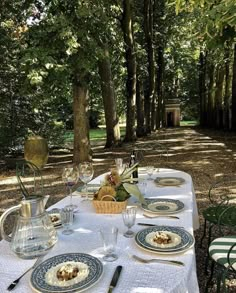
<point>86,174</point>
<point>129,216</point>
<point>119,165</point>
<point>150,171</point>
<point>109,237</point>
<point>67,219</point>
<point>70,176</point>
<point>142,185</point>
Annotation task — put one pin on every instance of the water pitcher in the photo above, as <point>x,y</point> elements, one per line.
<point>33,234</point>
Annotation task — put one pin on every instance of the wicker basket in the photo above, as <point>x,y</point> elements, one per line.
<point>109,207</point>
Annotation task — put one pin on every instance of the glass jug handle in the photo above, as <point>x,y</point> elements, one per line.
<point>2,220</point>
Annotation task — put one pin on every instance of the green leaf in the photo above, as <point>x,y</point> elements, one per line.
<point>133,190</point>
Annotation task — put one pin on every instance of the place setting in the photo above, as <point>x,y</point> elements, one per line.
<point>169,181</point>
<point>70,272</point>
<point>164,239</point>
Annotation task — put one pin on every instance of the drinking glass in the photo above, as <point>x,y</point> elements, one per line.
<point>109,237</point>
<point>129,216</point>
<point>142,185</point>
<point>86,174</point>
<point>150,170</point>
<point>70,176</point>
<point>67,219</point>
<point>119,165</point>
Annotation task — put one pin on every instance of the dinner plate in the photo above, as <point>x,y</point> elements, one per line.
<point>55,216</point>
<point>169,181</point>
<point>163,206</point>
<point>186,239</point>
<point>91,188</point>
<point>41,272</point>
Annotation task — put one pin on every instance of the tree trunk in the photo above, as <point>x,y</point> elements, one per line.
<point>151,103</point>
<point>159,89</point>
<point>130,57</point>
<point>219,97</point>
<point>108,95</point>
<point>81,122</point>
<point>234,92</point>
<point>227,88</point>
<point>141,131</point>
<point>202,88</point>
<point>210,106</point>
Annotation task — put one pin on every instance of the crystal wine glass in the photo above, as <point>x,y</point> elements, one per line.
<point>70,176</point>
<point>150,171</point>
<point>129,216</point>
<point>86,174</point>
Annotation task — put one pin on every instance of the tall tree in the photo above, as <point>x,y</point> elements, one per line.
<point>150,99</point>
<point>130,58</point>
<point>109,100</point>
<point>234,92</point>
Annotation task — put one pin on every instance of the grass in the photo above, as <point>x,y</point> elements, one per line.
<point>189,123</point>
<point>94,134</point>
<point>100,133</point>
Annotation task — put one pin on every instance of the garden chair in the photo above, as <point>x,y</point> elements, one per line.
<point>29,178</point>
<point>222,194</point>
<point>222,252</point>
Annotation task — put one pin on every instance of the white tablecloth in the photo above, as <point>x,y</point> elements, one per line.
<point>135,277</point>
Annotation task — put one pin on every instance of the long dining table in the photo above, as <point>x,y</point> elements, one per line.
<point>135,277</point>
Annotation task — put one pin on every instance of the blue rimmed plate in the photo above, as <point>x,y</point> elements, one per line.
<point>183,240</point>
<point>169,181</point>
<point>43,273</point>
<point>163,206</point>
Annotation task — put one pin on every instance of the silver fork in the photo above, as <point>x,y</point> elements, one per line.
<point>160,216</point>
<point>15,282</point>
<point>157,260</point>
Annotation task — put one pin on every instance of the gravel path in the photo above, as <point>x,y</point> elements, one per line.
<point>204,154</point>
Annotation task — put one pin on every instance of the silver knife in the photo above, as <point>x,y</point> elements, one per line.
<point>115,279</point>
<point>146,224</point>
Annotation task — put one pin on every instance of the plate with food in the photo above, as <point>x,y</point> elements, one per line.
<point>55,217</point>
<point>67,273</point>
<point>164,239</point>
<point>163,206</point>
<point>169,181</point>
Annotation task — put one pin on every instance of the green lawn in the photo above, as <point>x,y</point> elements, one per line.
<point>188,123</point>
<point>100,133</point>
<point>94,134</point>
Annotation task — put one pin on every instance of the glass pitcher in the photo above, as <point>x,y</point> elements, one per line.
<point>33,234</point>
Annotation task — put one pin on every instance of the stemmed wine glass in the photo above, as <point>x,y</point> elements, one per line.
<point>150,171</point>
<point>129,216</point>
<point>86,174</point>
<point>70,177</point>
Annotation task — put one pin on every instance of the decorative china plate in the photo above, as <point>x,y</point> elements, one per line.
<point>169,181</point>
<point>44,274</point>
<point>184,239</point>
<point>55,216</point>
<point>91,188</point>
<point>163,206</point>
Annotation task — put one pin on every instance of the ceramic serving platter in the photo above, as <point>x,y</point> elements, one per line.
<point>169,181</point>
<point>184,239</point>
<point>39,278</point>
<point>163,206</point>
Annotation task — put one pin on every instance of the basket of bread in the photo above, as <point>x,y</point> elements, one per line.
<point>112,196</point>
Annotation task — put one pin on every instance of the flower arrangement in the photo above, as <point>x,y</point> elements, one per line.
<point>118,187</point>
